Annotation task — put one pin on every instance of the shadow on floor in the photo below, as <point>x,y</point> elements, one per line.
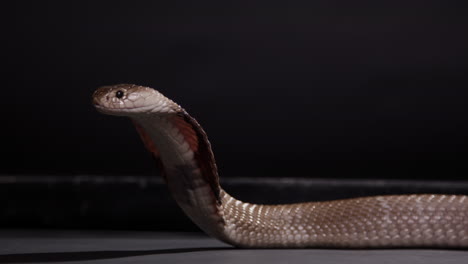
<point>93,255</point>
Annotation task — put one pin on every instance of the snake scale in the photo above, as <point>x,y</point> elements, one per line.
<point>182,150</point>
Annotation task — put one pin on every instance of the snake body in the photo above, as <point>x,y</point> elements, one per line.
<point>181,148</point>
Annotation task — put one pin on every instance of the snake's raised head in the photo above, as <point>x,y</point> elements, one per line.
<point>131,100</point>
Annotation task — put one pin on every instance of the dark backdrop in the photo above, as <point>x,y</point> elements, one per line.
<point>321,88</point>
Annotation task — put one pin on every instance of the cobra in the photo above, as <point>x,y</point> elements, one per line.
<point>182,150</point>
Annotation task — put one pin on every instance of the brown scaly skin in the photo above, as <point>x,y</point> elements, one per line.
<point>183,149</point>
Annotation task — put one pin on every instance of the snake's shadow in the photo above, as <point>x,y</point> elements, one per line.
<point>94,255</point>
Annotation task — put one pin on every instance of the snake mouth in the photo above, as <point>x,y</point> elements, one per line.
<point>100,107</point>
<point>103,106</point>
<point>109,111</point>
<point>122,110</point>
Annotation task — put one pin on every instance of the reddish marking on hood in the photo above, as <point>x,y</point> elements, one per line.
<point>147,141</point>
<point>187,131</point>
<point>151,147</point>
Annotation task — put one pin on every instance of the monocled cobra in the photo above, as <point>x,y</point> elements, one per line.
<point>182,149</point>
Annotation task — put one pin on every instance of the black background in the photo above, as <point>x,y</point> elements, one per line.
<point>361,89</point>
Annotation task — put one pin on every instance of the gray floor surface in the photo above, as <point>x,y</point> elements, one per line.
<point>62,246</point>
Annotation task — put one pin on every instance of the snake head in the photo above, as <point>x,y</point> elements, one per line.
<point>131,100</point>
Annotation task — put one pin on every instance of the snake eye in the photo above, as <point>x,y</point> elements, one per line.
<point>119,94</point>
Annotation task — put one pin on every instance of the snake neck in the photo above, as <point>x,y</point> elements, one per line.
<point>183,153</point>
